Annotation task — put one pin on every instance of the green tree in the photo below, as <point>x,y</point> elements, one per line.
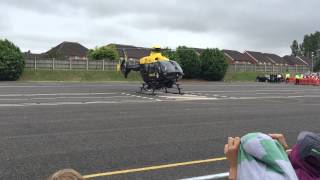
<point>105,52</point>
<point>169,53</point>
<point>11,61</point>
<point>316,67</point>
<point>310,44</point>
<point>213,65</point>
<point>295,48</point>
<point>189,61</point>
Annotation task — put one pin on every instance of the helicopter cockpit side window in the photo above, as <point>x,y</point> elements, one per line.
<point>150,68</point>
<point>177,66</point>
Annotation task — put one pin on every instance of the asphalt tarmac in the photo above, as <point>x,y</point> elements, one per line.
<point>108,127</point>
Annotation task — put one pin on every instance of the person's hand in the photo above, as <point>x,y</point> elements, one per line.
<point>281,139</point>
<point>231,150</point>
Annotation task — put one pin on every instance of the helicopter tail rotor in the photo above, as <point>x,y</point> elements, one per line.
<point>124,68</point>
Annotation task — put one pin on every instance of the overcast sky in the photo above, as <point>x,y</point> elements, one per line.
<point>260,25</point>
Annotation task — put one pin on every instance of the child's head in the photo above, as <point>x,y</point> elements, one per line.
<point>66,174</point>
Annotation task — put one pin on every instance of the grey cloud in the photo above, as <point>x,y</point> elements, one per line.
<point>248,23</point>
<point>5,25</point>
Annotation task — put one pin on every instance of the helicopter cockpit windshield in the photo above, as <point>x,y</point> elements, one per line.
<point>170,67</point>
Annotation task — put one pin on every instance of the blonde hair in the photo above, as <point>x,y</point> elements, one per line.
<point>66,174</point>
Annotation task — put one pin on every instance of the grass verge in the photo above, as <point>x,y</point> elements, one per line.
<point>241,76</point>
<point>96,76</point>
<point>76,75</point>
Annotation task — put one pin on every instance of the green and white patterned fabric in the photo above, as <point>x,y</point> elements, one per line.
<point>262,158</point>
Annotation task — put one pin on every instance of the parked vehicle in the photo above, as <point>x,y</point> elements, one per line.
<point>272,78</point>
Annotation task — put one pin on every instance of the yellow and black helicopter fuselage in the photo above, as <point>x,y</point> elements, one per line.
<point>157,71</point>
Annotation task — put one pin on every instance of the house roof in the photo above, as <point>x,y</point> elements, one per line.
<point>292,60</point>
<point>69,49</point>
<point>238,56</point>
<point>131,51</point>
<point>306,60</point>
<point>122,46</point>
<point>137,53</point>
<point>275,58</point>
<point>30,55</point>
<point>259,57</point>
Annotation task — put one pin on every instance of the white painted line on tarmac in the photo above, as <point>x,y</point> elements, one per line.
<point>70,103</point>
<point>142,97</point>
<point>208,177</point>
<point>54,94</point>
<point>66,85</point>
<point>257,90</point>
<point>272,97</point>
<point>15,99</point>
<point>63,97</point>
<point>188,97</point>
<point>278,93</point>
<point>82,97</point>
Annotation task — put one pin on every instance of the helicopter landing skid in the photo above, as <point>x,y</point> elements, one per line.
<point>177,87</point>
<point>145,89</point>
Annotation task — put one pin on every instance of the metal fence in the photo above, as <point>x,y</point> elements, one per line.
<point>112,65</point>
<point>70,64</point>
<point>267,68</point>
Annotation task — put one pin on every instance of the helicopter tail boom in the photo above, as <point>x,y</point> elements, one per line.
<point>126,68</point>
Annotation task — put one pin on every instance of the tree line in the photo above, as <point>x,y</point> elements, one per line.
<point>210,64</point>
<point>308,47</point>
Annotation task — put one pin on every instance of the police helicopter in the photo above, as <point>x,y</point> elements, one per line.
<point>157,72</point>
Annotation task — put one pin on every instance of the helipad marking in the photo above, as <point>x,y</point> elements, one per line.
<point>143,97</point>
<point>188,97</point>
<point>149,168</point>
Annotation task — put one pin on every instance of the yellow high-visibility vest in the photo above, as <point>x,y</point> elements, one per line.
<point>301,76</point>
<point>287,76</point>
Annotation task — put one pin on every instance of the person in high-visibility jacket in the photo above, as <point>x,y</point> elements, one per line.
<point>301,76</point>
<point>287,77</point>
<point>297,78</point>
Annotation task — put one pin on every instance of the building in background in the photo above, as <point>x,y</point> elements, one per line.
<point>259,58</point>
<point>130,52</point>
<point>76,51</point>
<point>295,61</point>
<point>276,59</point>
<point>68,50</point>
<point>236,57</point>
